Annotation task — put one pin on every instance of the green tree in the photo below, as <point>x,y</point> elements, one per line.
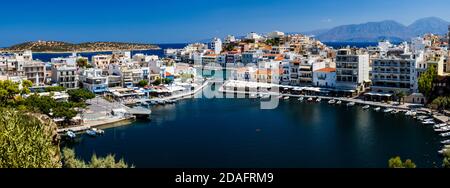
<point>426,81</point>
<point>26,142</point>
<point>167,81</point>
<point>80,95</point>
<point>55,89</point>
<point>400,96</point>
<point>441,103</point>
<point>8,90</point>
<point>70,161</point>
<point>143,83</point>
<point>397,162</point>
<point>446,161</point>
<point>83,63</point>
<point>157,82</point>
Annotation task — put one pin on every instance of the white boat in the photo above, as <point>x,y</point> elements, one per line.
<point>445,134</point>
<point>428,122</point>
<point>440,125</point>
<point>441,130</point>
<point>332,101</point>
<point>301,98</point>
<point>442,151</point>
<point>71,134</point>
<point>318,100</point>
<point>410,113</point>
<point>394,112</point>
<point>445,142</point>
<point>422,117</point>
<point>351,104</point>
<point>339,102</point>
<point>280,97</point>
<point>91,132</point>
<point>366,107</point>
<point>286,98</point>
<point>388,110</point>
<point>377,109</point>
<point>310,99</point>
<point>253,95</point>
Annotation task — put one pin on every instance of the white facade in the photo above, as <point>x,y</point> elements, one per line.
<point>352,69</point>
<point>216,45</point>
<point>325,77</point>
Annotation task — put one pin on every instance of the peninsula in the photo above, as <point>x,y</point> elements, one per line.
<point>60,47</point>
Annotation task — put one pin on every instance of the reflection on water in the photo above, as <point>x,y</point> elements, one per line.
<point>224,132</point>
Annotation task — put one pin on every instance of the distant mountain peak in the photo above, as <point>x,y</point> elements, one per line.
<point>386,29</point>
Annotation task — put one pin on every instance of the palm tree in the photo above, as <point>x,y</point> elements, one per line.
<point>401,96</point>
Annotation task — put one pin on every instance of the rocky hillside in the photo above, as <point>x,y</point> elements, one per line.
<point>56,46</point>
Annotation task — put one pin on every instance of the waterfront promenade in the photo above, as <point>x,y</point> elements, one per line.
<point>98,112</point>
<point>401,107</point>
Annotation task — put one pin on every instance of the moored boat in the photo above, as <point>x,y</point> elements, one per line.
<point>366,107</point>
<point>286,98</point>
<point>318,100</point>
<point>332,101</point>
<point>301,98</point>
<point>388,110</point>
<point>339,102</point>
<point>310,99</point>
<point>351,104</point>
<point>377,109</point>
<point>445,142</point>
<point>71,134</point>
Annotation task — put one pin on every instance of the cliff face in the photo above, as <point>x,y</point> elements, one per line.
<point>56,46</point>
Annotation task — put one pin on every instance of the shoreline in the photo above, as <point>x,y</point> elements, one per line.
<point>88,51</point>
<point>99,123</point>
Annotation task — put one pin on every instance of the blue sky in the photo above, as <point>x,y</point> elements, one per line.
<point>172,21</point>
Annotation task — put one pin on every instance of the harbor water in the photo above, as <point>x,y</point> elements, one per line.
<point>236,133</point>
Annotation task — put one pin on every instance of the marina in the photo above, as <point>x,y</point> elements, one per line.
<point>411,138</point>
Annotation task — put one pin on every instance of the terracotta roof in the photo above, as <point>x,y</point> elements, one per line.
<point>328,69</point>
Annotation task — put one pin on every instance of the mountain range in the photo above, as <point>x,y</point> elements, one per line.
<point>387,30</point>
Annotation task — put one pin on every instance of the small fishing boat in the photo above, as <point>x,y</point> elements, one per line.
<point>410,113</point>
<point>377,109</point>
<point>253,96</point>
<point>445,142</point>
<point>286,98</point>
<point>350,104</point>
<point>440,125</point>
<point>71,134</point>
<point>443,151</point>
<point>301,98</point>
<point>99,131</point>
<point>332,101</point>
<point>366,107</point>
<point>339,102</point>
<point>388,110</point>
<point>310,99</point>
<point>318,100</point>
<point>280,97</point>
<point>428,122</point>
<point>445,134</point>
<point>91,132</point>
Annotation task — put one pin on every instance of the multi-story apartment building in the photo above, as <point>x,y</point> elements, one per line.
<point>65,75</point>
<point>93,80</point>
<point>35,72</point>
<point>394,74</point>
<point>216,45</point>
<point>101,61</point>
<point>352,70</point>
